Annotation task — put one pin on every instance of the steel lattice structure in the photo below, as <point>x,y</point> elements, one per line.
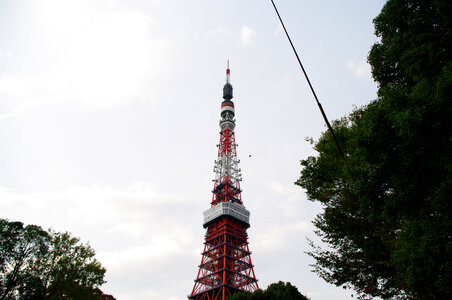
<point>226,265</point>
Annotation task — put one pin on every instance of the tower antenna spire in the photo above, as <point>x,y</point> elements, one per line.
<point>228,73</point>
<point>227,89</point>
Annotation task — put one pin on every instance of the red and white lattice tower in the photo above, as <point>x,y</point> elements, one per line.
<point>226,266</point>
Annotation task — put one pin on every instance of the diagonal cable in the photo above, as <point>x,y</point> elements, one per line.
<point>315,96</point>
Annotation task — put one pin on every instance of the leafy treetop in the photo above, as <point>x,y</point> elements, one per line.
<point>388,230</point>
<point>39,264</point>
<point>275,291</point>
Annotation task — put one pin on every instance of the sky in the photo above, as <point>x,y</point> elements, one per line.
<point>109,115</point>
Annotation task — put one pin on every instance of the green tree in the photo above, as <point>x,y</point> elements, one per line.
<point>38,264</point>
<point>275,291</point>
<point>20,248</point>
<point>388,223</point>
<point>71,267</point>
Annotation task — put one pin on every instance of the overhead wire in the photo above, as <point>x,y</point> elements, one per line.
<point>325,118</point>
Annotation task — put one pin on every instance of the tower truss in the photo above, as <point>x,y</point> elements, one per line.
<point>226,266</point>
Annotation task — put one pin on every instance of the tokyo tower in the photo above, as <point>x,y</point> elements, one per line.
<point>225,266</point>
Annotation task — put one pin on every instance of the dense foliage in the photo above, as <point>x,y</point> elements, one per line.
<point>39,264</point>
<point>275,291</point>
<point>388,223</point>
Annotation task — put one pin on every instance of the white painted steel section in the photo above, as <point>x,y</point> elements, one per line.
<point>227,107</point>
<point>227,124</point>
<point>227,208</point>
<point>227,166</point>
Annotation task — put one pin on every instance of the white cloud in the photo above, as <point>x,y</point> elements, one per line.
<point>277,238</point>
<point>99,60</point>
<point>135,229</point>
<point>247,34</point>
<point>219,34</point>
<point>279,29</point>
<point>106,205</point>
<point>4,53</point>
<point>360,69</point>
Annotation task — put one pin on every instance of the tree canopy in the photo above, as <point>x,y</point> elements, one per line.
<point>39,264</point>
<point>388,222</point>
<point>275,291</point>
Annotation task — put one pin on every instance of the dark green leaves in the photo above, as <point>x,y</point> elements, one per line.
<point>21,248</point>
<point>275,291</point>
<point>36,264</point>
<point>389,228</point>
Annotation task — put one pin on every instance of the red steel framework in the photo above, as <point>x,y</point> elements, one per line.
<point>226,266</point>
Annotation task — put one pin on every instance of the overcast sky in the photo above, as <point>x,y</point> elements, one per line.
<point>109,117</point>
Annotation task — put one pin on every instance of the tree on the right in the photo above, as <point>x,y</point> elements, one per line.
<point>387,217</point>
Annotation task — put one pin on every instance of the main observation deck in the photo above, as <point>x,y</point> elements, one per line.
<point>230,209</point>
